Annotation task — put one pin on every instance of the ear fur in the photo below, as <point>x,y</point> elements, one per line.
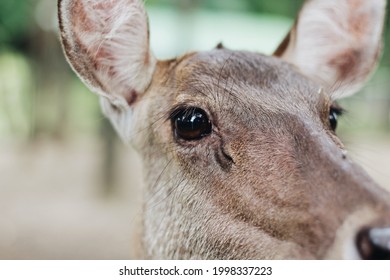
<point>107,44</point>
<point>336,42</point>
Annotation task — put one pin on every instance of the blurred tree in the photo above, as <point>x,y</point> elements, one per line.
<point>109,157</point>
<point>15,23</point>
<point>386,60</point>
<point>285,7</point>
<point>280,7</point>
<point>28,27</point>
<point>386,63</point>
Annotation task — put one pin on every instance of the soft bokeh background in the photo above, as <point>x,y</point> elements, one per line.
<point>68,188</point>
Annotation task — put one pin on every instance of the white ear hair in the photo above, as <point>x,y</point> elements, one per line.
<point>336,42</point>
<point>107,44</point>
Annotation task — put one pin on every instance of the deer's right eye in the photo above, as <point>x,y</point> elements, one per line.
<point>191,124</point>
<point>334,113</point>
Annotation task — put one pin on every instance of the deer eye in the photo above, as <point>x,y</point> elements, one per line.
<point>334,114</point>
<point>191,124</point>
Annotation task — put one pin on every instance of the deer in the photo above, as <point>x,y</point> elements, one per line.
<point>239,149</point>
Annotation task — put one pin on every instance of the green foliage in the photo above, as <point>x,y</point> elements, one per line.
<point>280,7</point>
<point>16,17</point>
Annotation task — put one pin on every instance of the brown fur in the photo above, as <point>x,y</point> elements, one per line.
<point>289,180</point>
<point>272,180</point>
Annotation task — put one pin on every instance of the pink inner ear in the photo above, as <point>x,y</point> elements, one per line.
<point>111,47</point>
<point>336,42</point>
<point>346,62</point>
<point>359,24</point>
<point>91,24</point>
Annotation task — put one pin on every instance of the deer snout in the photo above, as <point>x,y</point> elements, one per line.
<point>374,243</point>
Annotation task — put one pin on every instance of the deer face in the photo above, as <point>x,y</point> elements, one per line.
<point>240,151</point>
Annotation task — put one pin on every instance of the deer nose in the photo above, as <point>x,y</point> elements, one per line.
<point>374,243</point>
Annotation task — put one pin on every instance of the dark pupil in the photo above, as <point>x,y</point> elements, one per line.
<point>192,124</point>
<point>333,119</point>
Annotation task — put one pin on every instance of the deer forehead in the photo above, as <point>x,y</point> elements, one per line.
<point>256,103</point>
<point>239,83</point>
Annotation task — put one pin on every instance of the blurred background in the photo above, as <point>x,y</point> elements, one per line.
<point>68,188</point>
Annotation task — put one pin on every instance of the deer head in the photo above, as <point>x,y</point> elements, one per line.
<point>239,149</point>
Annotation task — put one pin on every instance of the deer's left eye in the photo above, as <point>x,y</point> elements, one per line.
<point>191,124</point>
<point>334,114</point>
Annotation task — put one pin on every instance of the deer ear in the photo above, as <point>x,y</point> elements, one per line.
<point>107,44</point>
<point>336,42</point>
